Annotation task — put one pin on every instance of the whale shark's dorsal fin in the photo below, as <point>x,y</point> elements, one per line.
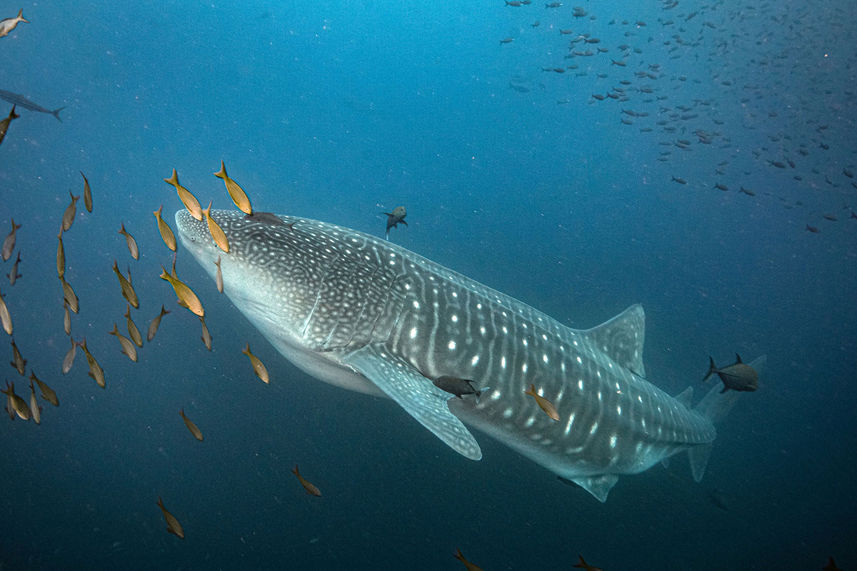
<point>622,338</point>
<point>416,394</point>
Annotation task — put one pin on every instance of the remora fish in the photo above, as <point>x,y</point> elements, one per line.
<point>364,314</point>
<point>22,101</point>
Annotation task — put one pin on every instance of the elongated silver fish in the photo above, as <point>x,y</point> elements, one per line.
<point>367,315</point>
<point>22,101</point>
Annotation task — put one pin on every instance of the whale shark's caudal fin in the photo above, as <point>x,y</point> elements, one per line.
<point>715,406</point>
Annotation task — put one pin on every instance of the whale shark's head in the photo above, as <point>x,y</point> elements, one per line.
<point>271,271</point>
<point>290,278</point>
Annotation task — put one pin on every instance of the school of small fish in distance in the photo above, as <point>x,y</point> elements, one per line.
<point>750,92</point>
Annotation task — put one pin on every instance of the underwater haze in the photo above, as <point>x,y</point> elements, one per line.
<point>696,158</point>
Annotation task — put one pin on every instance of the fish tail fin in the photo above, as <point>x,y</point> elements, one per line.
<point>56,113</point>
<point>714,406</point>
<point>712,368</point>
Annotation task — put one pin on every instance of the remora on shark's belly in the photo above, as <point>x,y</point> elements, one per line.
<point>368,315</point>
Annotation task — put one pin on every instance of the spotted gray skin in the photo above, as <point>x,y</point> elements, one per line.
<point>371,316</point>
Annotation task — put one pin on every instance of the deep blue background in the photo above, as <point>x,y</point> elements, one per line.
<point>338,111</point>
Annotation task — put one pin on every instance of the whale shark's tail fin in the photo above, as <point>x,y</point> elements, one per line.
<point>715,406</point>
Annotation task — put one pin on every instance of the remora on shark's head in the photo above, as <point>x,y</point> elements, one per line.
<point>368,315</point>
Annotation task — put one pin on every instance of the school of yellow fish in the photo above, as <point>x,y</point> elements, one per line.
<point>18,406</point>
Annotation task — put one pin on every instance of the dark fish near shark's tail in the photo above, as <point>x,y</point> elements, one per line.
<point>714,406</point>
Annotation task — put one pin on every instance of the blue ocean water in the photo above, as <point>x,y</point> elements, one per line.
<point>514,175</point>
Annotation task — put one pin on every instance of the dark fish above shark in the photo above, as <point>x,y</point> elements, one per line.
<point>22,101</point>
<point>394,218</point>
<point>370,316</point>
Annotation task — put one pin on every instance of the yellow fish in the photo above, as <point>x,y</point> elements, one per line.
<point>133,332</point>
<point>14,275</point>
<point>60,257</point>
<point>173,525</point>
<point>127,289</point>
<point>70,212</point>
<point>19,405</point>
<point>18,360</point>
<point>87,193</point>
<point>69,296</point>
<point>47,392</point>
<point>467,564</point>
<point>4,124</point>
<point>35,409</point>
<point>184,293</point>
<point>582,564</point>
<point>543,403</point>
<point>5,317</point>
<point>9,24</point>
<point>216,231</point>
<point>127,345</point>
<point>164,228</point>
<point>258,366</point>
<point>194,429</point>
<point>310,488</point>
<point>206,336</point>
<point>132,243</point>
<point>66,320</point>
<point>218,278</point>
<point>9,242</point>
<point>236,193</point>
<point>156,322</point>
<point>68,360</point>
<point>95,370</point>
<point>189,200</point>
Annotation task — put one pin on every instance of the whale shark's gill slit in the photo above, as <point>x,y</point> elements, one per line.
<point>330,267</point>
<point>310,314</point>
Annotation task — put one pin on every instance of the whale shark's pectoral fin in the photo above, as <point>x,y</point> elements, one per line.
<point>598,486</point>
<point>416,394</point>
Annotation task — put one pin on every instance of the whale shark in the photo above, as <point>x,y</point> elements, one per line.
<point>368,315</point>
